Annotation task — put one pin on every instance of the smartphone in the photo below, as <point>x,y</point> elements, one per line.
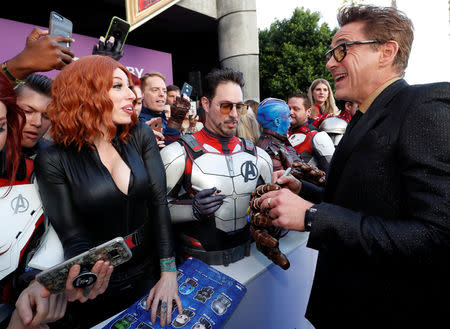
<point>156,124</point>
<point>193,109</point>
<point>187,89</point>
<point>118,28</point>
<point>59,25</point>
<point>115,251</point>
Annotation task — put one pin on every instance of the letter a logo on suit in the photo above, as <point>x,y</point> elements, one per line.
<point>19,204</point>
<point>249,171</point>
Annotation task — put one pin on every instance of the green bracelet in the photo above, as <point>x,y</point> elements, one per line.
<point>168,264</point>
<point>9,75</point>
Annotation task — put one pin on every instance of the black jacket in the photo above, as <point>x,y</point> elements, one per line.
<point>383,232</point>
<point>85,206</point>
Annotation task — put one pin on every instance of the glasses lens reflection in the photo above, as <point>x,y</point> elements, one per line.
<point>340,52</point>
<point>227,107</point>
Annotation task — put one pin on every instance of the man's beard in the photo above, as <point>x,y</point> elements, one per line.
<point>228,132</point>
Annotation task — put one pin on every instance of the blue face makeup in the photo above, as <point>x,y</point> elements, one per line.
<point>274,114</point>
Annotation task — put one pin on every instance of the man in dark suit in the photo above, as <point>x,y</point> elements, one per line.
<point>382,224</point>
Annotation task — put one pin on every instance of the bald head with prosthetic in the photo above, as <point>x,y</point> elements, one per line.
<point>274,114</point>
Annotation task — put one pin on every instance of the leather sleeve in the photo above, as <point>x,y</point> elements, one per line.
<point>56,200</point>
<point>157,203</point>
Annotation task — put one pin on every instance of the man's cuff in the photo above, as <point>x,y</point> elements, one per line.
<point>311,192</point>
<point>321,224</point>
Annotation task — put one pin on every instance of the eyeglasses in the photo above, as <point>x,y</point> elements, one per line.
<point>227,107</point>
<point>340,51</point>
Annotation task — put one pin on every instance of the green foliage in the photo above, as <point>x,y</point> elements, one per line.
<point>291,54</point>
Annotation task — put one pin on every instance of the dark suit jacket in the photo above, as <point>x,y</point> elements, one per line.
<point>383,230</point>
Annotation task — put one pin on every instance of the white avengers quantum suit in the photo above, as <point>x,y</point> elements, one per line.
<point>202,161</point>
<point>26,238</point>
<point>21,214</point>
<point>315,147</point>
<point>334,127</point>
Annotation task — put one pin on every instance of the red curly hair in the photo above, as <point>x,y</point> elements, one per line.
<point>16,121</point>
<point>136,80</point>
<point>81,107</point>
<point>136,83</point>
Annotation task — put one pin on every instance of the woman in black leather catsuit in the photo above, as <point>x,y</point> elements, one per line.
<point>81,192</point>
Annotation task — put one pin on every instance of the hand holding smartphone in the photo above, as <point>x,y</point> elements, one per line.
<point>193,110</point>
<point>187,89</point>
<point>114,251</point>
<point>155,124</point>
<point>59,25</point>
<point>118,28</point>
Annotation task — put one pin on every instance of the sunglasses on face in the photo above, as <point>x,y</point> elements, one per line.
<point>340,51</point>
<point>227,107</point>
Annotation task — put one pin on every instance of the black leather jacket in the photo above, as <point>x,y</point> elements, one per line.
<point>85,206</point>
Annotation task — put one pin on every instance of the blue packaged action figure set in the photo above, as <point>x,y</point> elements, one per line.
<point>207,295</point>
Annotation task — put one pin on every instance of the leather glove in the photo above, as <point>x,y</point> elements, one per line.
<point>178,111</point>
<point>310,173</point>
<point>303,170</point>
<point>275,255</point>
<point>109,49</point>
<point>263,232</point>
<point>285,159</point>
<point>206,202</point>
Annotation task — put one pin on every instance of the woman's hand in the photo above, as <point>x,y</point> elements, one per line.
<point>102,269</point>
<point>164,291</point>
<point>34,311</point>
